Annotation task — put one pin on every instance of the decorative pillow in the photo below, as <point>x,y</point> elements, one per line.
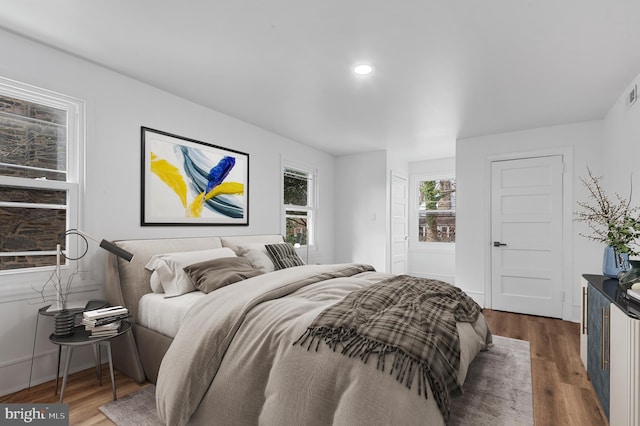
<point>213,274</point>
<point>234,243</point>
<point>169,268</point>
<point>156,285</point>
<point>283,255</point>
<point>257,255</point>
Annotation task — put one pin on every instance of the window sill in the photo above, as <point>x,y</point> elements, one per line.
<point>13,292</point>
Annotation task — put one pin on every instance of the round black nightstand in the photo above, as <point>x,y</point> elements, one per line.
<point>90,305</point>
<point>82,337</point>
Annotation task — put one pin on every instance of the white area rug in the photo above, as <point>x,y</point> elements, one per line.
<point>498,388</point>
<point>497,392</point>
<point>135,409</point>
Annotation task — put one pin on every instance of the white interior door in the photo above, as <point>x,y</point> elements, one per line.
<point>526,229</point>
<point>399,226</point>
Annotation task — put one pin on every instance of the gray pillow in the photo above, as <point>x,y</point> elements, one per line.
<point>213,274</point>
<point>283,255</point>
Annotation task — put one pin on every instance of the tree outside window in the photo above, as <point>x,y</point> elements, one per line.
<point>38,182</point>
<point>437,210</point>
<point>298,200</point>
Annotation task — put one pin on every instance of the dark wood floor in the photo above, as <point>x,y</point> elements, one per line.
<point>83,394</point>
<point>562,393</point>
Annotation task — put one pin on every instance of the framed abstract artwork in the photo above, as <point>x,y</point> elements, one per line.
<point>188,182</point>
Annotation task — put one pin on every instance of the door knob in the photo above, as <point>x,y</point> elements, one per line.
<point>498,244</point>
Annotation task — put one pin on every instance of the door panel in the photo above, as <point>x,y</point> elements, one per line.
<point>525,176</point>
<point>526,260</point>
<point>399,225</point>
<point>526,222</point>
<point>530,204</point>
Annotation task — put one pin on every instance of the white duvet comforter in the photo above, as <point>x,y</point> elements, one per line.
<point>233,361</point>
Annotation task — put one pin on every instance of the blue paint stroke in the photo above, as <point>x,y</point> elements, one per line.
<point>219,172</point>
<point>204,177</point>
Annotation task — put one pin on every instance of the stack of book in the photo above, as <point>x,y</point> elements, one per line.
<point>104,322</point>
<point>635,294</point>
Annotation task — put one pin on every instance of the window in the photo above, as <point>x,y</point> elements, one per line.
<point>298,204</point>
<point>437,210</point>
<point>39,144</point>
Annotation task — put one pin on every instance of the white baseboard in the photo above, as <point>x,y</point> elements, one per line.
<point>14,374</point>
<point>576,313</point>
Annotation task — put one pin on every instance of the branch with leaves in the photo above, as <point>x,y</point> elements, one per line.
<point>61,289</point>
<point>615,224</point>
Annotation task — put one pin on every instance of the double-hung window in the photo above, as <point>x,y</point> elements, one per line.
<point>299,206</point>
<point>40,140</point>
<point>436,210</point>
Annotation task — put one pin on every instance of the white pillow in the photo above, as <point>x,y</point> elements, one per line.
<point>156,285</point>
<point>168,268</point>
<point>257,255</point>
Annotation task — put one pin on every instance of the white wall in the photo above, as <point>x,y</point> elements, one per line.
<point>361,209</point>
<point>116,108</point>
<point>621,149</point>
<point>582,143</point>
<point>430,260</point>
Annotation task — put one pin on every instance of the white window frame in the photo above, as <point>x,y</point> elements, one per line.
<point>413,222</point>
<point>310,209</point>
<point>13,282</point>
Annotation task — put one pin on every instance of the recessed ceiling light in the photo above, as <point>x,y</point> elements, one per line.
<point>363,69</point>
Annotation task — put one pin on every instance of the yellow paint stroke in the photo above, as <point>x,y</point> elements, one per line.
<point>195,208</point>
<point>170,175</point>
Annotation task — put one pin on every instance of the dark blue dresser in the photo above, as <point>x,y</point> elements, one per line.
<point>611,326</point>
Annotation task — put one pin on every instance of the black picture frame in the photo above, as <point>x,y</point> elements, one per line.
<point>186,182</point>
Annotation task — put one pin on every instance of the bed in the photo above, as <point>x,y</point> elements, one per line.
<point>258,352</point>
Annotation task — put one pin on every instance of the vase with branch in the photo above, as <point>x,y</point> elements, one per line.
<point>612,222</point>
<point>64,318</point>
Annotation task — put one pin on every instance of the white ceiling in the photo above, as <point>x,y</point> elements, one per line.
<point>444,69</point>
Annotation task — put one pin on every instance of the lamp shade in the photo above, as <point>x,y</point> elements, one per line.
<point>107,245</point>
<point>112,248</point>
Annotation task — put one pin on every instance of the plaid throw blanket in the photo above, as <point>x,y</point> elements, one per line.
<point>412,318</point>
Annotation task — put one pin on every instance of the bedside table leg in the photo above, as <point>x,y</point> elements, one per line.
<point>58,369</point>
<point>113,382</point>
<point>96,356</point>
<point>67,363</point>
<point>33,350</point>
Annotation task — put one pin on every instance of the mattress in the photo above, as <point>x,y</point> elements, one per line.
<point>164,315</point>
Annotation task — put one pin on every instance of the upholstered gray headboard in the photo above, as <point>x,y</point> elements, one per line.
<point>127,282</point>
